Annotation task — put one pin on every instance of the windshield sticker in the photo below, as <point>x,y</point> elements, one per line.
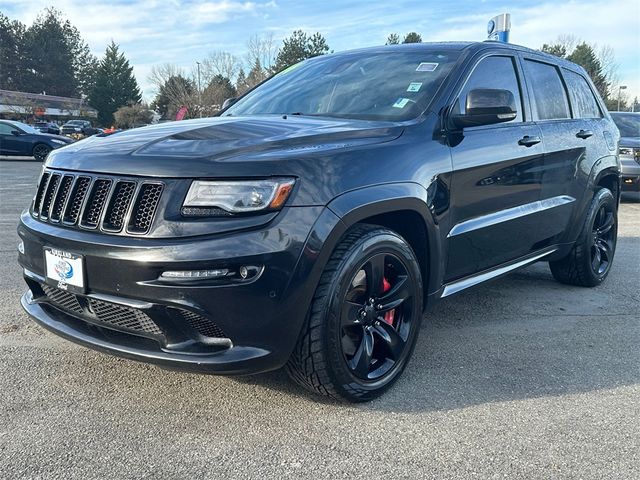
<point>427,67</point>
<point>401,103</point>
<point>414,87</point>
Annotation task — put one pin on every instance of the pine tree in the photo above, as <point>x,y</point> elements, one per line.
<point>412,37</point>
<point>12,62</point>
<point>299,47</point>
<point>49,53</point>
<point>585,56</point>
<point>115,85</point>
<point>241,82</point>
<point>393,39</point>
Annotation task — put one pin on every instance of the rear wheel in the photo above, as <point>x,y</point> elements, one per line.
<point>590,260</point>
<point>40,151</point>
<point>364,318</point>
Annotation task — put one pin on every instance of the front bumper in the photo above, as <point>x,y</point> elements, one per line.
<point>239,328</point>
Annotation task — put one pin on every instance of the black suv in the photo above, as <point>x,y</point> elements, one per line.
<point>314,220</point>
<point>78,127</point>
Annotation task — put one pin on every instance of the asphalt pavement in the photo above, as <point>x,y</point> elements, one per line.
<point>520,378</point>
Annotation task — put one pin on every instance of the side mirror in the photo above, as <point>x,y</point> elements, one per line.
<point>486,106</point>
<point>17,133</point>
<point>228,102</point>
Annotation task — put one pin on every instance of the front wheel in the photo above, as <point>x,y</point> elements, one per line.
<point>40,151</point>
<point>364,319</point>
<point>589,261</point>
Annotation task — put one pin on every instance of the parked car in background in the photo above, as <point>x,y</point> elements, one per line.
<point>629,125</point>
<point>22,140</point>
<point>79,127</point>
<point>313,222</point>
<point>47,127</point>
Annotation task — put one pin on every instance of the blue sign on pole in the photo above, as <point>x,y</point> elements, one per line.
<point>498,28</point>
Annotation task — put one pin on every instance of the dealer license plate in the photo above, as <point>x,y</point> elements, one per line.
<point>64,270</point>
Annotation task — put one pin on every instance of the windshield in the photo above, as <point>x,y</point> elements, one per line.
<point>627,123</point>
<point>393,85</point>
<point>74,122</point>
<point>26,128</point>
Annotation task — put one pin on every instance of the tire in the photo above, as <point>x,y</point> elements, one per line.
<point>589,261</point>
<point>358,337</point>
<point>40,151</point>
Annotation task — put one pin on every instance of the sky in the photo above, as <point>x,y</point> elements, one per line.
<point>182,32</point>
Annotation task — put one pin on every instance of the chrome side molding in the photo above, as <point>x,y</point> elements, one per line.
<point>509,214</point>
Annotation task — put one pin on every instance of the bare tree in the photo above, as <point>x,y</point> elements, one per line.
<point>174,90</point>
<point>220,63</point>
<point>261,50</point>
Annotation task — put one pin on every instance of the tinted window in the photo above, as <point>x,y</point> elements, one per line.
<point>549,97</point>
<point>493,72</point>
<point>5,129</point>
<point>582,99</point>
<point>394,85</point>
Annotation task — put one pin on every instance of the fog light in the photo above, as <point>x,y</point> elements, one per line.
<point>21,248</point>
<point>195,274</point>
<point>244,272</point>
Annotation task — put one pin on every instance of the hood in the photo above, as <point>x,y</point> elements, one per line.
<point>190,148</point>
<point>630,142</point>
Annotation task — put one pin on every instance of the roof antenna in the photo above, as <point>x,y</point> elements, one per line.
<point>499,27</point>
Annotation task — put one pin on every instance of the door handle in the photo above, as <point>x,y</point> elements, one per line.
<point>528,141</point>
<point>584,134</point>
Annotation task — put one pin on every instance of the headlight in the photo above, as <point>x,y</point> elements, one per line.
<point>205,196</point>
<point>58,142</point>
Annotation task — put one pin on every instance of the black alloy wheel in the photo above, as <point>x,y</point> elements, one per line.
<point>364,319</point>
<point>376,317</point>
<point>603,244</point>
<point>589,261</point>
<point>40,151</point>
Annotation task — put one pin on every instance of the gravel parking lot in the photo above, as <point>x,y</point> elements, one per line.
<point>519,378</point>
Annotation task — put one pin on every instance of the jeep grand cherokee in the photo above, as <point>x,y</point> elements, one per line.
<point>312,222</point>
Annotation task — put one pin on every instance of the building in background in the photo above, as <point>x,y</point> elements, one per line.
<point>35,107</point>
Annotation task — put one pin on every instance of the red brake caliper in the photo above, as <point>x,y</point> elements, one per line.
<point>389,316</point>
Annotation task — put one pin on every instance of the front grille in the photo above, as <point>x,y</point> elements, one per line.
<point>111,314</point>
<point>123,317</point>
<point>110,204</point>
<point>201,324</point>
<point>65,300</point>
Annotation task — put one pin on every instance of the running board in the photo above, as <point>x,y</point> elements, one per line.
<point>465,283</point>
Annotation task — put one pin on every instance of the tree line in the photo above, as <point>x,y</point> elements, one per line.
<point>222,75</point>
<point>51,57</point>
<point>599,63</point>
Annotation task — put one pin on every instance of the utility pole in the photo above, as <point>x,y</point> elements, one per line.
<point>620,88</point>
<point>200,92</point>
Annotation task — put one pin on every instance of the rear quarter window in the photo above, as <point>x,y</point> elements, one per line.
<point>582,99</point>
<point>549,98</point>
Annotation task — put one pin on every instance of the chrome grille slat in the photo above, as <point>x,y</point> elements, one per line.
<point>106,203</point>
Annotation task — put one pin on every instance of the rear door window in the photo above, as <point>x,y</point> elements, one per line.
<point>549,100</point>
<point>494,72</point>
<point>582,99</point>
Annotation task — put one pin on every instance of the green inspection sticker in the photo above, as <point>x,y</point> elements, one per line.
<point>291,68</point>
